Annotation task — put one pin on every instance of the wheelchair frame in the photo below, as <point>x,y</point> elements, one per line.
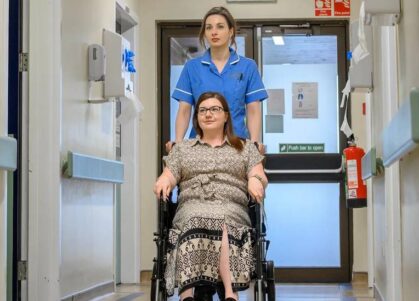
<point>264,289</point>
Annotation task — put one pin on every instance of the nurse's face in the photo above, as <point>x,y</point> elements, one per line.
<point>211,116</point>
<point>217,32</point>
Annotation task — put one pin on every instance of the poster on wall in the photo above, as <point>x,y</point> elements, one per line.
<point>276,102</point>
<point>342,8</point>
<point>305,100</point>
<point>323,8</point>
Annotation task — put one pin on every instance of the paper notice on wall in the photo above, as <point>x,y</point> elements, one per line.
<point>305,100</point>
<point>322,8</point>
<point>274,124</point>
<point>276,102</point>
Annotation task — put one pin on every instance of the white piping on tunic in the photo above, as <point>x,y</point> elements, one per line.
<point>255,91</point>
<point>235,61</point>
<point>183,91</point>
<point>205,62</point>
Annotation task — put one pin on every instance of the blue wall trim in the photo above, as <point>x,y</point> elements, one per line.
<point>402,133</point>
<point>8,153</point>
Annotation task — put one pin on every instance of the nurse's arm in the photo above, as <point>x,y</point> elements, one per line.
<point>182,120</point>
<point>254,120</point>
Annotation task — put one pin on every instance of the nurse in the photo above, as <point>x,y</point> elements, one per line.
<point>221,70</point>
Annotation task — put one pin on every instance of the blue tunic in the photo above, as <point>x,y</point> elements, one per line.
<point>239,82</point>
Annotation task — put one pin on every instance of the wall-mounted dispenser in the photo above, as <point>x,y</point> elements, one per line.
<point>361,73</point>
<point>119,65</point>
<point>97,62</point>
<point>119,74</point>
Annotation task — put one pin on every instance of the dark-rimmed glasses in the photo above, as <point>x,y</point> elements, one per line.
<point>213,110</point>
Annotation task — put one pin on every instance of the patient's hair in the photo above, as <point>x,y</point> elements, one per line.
<point>235,141</point>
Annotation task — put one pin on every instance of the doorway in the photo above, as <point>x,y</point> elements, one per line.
<point>304,68</point>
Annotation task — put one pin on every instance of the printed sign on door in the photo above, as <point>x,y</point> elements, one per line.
<point>342,8</point>
<point>323,8</point>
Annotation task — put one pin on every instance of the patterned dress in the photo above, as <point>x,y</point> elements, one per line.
<point>213,192</point>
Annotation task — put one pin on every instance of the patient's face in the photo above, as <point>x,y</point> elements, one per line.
<point>211,116</point>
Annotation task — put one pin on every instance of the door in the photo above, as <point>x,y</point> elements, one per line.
<point>308,224</point>
<point>304,70</point>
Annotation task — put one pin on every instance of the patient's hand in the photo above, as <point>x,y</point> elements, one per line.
<point>162,187</point>
<point>261,147</point>
<point>169,146</point>
<point>255,189</point>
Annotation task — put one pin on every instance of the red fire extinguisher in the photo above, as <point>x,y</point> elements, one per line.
<point>356,191</point>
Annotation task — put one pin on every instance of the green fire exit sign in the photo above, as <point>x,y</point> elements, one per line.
<point>301,148</point>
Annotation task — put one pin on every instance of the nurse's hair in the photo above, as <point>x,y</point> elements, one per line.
<point>222,11</point>
<point>235,141</point>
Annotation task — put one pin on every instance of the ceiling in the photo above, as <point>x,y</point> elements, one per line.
<point>296,50</point>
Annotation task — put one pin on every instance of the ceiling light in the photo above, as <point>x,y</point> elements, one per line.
<point>278,40</point>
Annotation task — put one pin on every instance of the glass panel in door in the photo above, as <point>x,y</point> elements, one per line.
<point>301,76</point>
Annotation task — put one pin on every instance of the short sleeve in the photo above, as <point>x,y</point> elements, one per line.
<point>183,90</point>
<point>173,162</point>
<point>253,155</point>
<point>255,89</point>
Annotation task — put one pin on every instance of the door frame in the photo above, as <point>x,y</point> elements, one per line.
<point>338,27</point>
<point>4,46</point>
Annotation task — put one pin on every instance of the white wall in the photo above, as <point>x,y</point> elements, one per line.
<point>87,207</point>
<point>71,223</point>
<point>87,244</point>
<point>4,43</point>
<point>44,155</point>
<point>409,166</point>
<point>393,229</point>
<point>152,10</point>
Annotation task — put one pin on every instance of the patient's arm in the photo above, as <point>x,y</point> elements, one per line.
<point>164,184</point>
<point>257,182</point>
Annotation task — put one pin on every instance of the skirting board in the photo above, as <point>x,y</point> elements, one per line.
<point>145,276</point>
<point>91,293</point>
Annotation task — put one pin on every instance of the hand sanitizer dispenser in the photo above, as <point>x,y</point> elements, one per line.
<point>119,65</point>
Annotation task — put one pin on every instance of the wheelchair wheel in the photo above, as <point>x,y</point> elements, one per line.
<point>271,290</point>
<point>162,295</point>
<point>157,288</point>
<point>270,280</point>
<point>256,293</point>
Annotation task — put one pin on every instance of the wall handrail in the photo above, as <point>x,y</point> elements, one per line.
<point>85,167</point>
<point>8,153</point>
<point>371,165</point>
<point>401,135</point>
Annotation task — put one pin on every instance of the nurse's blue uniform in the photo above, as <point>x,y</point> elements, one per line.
<point>239,82</point>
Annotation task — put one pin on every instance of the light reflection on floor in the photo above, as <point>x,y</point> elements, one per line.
<point>284,292</point>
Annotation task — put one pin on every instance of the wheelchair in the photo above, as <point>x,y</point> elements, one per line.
<point>264,288</point>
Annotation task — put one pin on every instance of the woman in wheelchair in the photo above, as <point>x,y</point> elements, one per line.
<point>210,240</point>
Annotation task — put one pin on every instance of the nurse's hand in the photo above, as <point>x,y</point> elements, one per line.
<point>255,189</point>
<point>162,187</point>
